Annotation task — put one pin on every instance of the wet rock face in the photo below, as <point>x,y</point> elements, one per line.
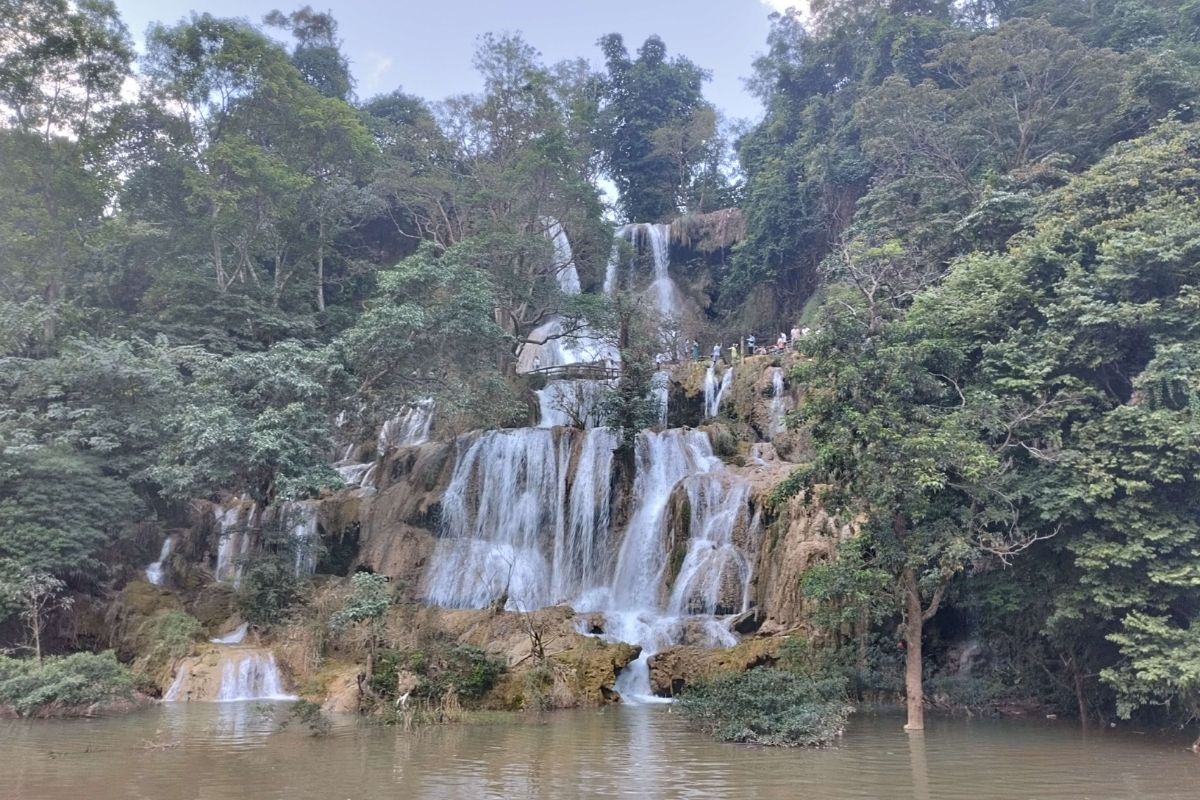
<point>396,527</point>
<point>675,668</point>
<point>803,536</point>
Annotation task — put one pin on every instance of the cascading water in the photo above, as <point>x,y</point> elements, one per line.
<point>516,532</point>
<point>715,574</point>
<point>499,513</point>
<point>155,572</point>
<point>235,636</point>
<point>550,345</point>
<point>777,410</point>
<point>714,390</point>
<point>410,427</point>
<point>251,676</point>
<point>300,519</point>
<point>654,239</point>
<point>660,387</point>
<point>564,259</point>
<point>238,674</point>
<point>234,541</point>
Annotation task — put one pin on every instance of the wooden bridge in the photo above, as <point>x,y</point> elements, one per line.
<point>595,371</point>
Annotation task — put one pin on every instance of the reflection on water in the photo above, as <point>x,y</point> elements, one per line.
<point>228,751</point>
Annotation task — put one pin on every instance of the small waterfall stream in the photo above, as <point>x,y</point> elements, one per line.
<point>714,389</point>
<point>778,408</point>
<point>155,570</point>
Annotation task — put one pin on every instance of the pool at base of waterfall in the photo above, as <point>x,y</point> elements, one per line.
<point>238,750</point>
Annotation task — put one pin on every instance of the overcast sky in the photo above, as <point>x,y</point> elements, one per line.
<point>425,46</point>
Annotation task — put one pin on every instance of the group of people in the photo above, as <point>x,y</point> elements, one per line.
<point>782,343</point>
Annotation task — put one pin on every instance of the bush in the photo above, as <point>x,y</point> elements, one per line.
<point>469,671</point>
<point>769,706</point>
<point>269,589</point>
<point>80,679</point>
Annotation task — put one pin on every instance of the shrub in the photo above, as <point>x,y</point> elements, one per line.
<point>769,706</point>
<point>467,670</point>
<point>168,636</point>
<point>80,679</point>
<point>269,589</point>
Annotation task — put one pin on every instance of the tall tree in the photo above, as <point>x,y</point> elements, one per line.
<point>656,124</point>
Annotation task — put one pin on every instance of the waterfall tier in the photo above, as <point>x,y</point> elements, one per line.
<point>528,522</point>
<point>228,675</point>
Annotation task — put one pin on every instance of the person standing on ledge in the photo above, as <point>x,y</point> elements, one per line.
<point>716,353</point>
<point>733,354</point>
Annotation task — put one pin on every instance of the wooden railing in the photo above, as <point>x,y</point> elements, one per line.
<point>596,371</point>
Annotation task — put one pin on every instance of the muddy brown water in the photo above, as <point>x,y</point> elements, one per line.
<point>227,751</point>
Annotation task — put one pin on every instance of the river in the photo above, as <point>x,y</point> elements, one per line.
<point>227,751</point>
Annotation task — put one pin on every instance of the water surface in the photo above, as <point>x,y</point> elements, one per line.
<point>237,750</point>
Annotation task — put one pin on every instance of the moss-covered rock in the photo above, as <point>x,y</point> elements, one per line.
<point>676,667</point>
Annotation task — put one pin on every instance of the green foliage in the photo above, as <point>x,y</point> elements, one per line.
<point>440,667</point>
<point>369,600</point>
<point>67,682</point>
<point>769,706</point>
<point>311,716</point>
<point>657,127</point>
<point>270,588</point>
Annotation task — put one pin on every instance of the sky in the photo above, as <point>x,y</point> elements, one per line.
<point>425,46</point>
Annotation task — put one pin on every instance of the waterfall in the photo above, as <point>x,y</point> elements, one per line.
<point>499,516</point>
<point>571,403</point>
<point>252,676</point>
<point>410,427</point>
<point>663,459</point>
<point>239,674</point>
<point>300,519</point>
<point>512,531</point>
<point>235,636</point>
<point>155,570</point>
<point>715,575</point>
<point>777,411</point>
<point>564,259</point>
<point>714,391</point>
<point>234,541</point>
<point>660,388</point>
<point>527,521</point>
<point>582,546</point>
<point>654,240</point>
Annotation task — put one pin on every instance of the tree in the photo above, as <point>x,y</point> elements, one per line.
<point>38,595</point>
<point>253,423</point>
<point>656,125</point>
<point>61,70</point>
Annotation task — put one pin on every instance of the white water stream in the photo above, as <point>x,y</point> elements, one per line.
<point>155,571</point>
<point>517,533</point>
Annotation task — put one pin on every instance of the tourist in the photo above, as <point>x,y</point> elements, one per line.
<point>733,354</point>
<point>716,353</point>
<point>750,340</point>
<point>696,350</point>
<point>781,342</point>
<point>795,336</point>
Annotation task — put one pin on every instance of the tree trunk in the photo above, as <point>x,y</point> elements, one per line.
<point>321,266</point>
<point>914,622</point>
<point>1080,693</point>
<point>37,633</point>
